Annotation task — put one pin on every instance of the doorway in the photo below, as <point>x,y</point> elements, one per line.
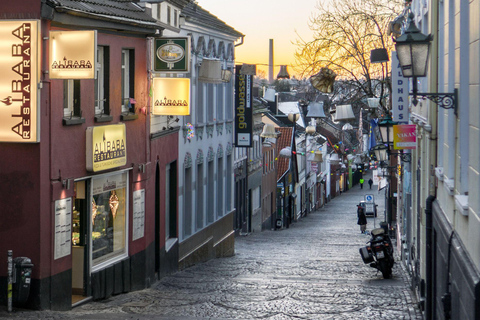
<point>81,290</point>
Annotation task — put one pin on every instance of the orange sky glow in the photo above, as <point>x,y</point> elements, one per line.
<point>283,21</point>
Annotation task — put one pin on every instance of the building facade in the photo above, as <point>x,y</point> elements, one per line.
<point>84,205</point>
<point>206,170</point>
<point>445,167</point>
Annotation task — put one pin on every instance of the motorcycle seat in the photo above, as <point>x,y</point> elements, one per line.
<point>377,232</point>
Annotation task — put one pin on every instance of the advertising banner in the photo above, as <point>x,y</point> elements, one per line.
<point>399,92</point>
<point>19,66</point>
<point>243,109</point>
<point>404,136</point>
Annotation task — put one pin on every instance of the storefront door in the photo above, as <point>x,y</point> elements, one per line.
<point>81,243</point>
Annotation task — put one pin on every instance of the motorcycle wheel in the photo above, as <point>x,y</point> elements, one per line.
<point>385,269</point>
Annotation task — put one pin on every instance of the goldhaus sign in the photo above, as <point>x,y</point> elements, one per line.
<point>106,147</point>
<point>243,109</point>
<point>19,50</point>
<point>171,96</point>
<point>72,54</point>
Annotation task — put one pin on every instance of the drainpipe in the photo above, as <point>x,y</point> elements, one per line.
<point>430,278</point>
<point>428,257</point>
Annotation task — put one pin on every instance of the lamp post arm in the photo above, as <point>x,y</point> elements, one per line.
<point>443,100</point>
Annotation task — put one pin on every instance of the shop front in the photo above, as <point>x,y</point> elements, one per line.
<point>99,228</point>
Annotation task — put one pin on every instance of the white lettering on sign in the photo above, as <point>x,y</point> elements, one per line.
<point>399,92</point>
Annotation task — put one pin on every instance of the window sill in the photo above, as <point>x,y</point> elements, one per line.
<point>449,185</point>
<point>73,121</point>
<point>103,118</point>
<point>128,116</point>
<point>461,204</point>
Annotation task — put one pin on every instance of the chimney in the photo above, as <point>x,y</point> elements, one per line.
<point>270,63</point>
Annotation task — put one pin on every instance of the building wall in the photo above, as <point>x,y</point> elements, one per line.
<point>206,161</point>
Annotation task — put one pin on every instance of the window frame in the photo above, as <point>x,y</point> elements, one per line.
<point>72,112</point>
<point>102,85</point>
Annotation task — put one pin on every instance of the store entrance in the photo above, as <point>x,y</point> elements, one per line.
<point>81,243</point>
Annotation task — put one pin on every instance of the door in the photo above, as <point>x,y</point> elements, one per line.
<point>81,242</point>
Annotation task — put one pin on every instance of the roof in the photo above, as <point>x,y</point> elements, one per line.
<point>199,16</point>
<point>284,140</point>
<point>120,11</point>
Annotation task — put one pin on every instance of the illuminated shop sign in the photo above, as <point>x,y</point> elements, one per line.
<point>106,147</point>
<point>171,54</point>
<point>171,96</point>
<point>404,136</point>
<point>19,49</point>
<point>243,109</point>
<point>72,54</point>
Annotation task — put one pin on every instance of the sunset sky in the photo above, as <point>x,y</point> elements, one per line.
<point>284,21</point>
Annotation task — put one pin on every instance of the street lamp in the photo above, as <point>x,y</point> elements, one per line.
<point>412,50</point>
<point>386,132</point>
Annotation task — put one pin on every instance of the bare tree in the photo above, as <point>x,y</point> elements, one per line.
<point>344,35</point>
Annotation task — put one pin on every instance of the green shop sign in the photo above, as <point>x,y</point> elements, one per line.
<point>171,54</point>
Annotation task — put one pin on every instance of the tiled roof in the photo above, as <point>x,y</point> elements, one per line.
<point>196,14</point>
<point>284,140</point>
<point>118,9</point>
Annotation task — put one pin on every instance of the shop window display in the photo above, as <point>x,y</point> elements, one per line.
<point>108,223</point>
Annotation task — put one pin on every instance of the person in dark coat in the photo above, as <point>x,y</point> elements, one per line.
<point>362,219</point>
<point>370,182</point>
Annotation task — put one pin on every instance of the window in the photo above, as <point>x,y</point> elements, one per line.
<point>228,104</point>
<point>210,102</point>
<point>229,182</point>
<point>159,11</point>
<point>220,101</point>
<point>199,110</point>
<point>210,191</point>
<point>187,204</point>
<point>102,88</point>
<point>220,175</point>
<point>169,14</point>
<point>175,18</point>
<point>72,114</point>
<point>109,218</point>
<point>128,81</point>
<point>199,195</point>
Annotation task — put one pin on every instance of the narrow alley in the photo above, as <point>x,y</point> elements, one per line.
<point>311,270</point>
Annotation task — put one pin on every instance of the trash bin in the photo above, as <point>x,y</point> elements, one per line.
<point>22,275</point>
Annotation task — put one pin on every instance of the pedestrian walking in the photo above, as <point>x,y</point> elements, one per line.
<point>370,182</point>
<point>362,219</point>
<point>361,183</point>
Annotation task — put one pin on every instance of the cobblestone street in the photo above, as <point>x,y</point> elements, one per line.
<point>312,270</point>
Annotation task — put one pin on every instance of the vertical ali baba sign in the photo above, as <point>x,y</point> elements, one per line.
<point>19,67</point>
<point>243,109</point>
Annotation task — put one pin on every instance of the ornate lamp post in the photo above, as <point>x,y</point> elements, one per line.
<point>413,48</point>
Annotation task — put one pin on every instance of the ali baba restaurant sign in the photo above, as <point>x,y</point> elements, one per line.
<point>72,54</point>
<point>106,147</point>
<point>171,96</point>
<point>19,66</point>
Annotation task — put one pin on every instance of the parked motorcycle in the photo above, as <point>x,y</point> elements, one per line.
<point>379,252</point>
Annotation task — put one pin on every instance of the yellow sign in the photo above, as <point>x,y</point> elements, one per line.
<point>72,54</point>
<point>171,96</point>
<point>19,67</point>
<point>106,147</point>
